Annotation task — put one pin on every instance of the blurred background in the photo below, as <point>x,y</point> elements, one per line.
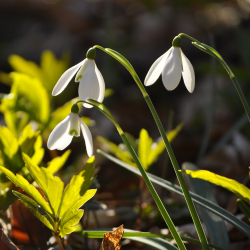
<point>215,133</point>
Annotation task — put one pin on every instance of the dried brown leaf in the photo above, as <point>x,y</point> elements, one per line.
<point>111,241</point>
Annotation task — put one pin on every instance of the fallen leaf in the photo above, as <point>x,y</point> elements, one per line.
<point>6,243</point>
<point>111,241</point>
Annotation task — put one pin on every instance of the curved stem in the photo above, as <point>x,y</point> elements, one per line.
<point>211,51</point>
<point>187,196</point>
<point>157,199</point>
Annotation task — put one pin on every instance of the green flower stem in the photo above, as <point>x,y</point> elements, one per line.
<point>187,196</point>
<point>151,188</point>
<point>213,52</point>
<point>157,199</point>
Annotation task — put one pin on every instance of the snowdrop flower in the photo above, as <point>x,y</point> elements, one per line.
<point>91,85</point>
<point>63,133</point>
<point>172,65</point>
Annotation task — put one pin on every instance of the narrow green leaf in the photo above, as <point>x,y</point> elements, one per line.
<point>58,162</point>
<point>144,146</point>
<point>19,181</point>
<point>72,216</point>
<point>36,210</point>
<point>232,185</point>
<point>216,227</point>
<point>51,186</point>
<point>224,214</point>
<point>76,189</point>
<point>133,235</point>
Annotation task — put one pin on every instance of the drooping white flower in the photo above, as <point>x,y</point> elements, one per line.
<point>63,133</point>
<point>172,65</point>
<point>91,85</point>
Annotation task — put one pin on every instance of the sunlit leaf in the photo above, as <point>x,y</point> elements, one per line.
<point>58,162</point>
<point>114,149</point>
<point>19,181</point>
<point>36,101</point>
<point>145,143</point>
<point>224,214</point>
<point>35,209</point>
<point>160,146</point>
<point>215,225</point>
<point>52,69</point>
<point>232,185</point>
<point>9,142</point>
<point>72,216</point>
<point>52,187</point>
<point>77,187</point>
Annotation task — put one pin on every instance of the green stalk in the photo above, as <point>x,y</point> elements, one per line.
<point>151,188</point>
<point>187,196</point>
<point>211,51</point>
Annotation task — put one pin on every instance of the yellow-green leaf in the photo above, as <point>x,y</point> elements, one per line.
<point>145,143</point>
<point>36,97</point>
<point>72,216</point>
<point>242,191</point>
<point>160,146</point>
<point>19,181</point>
<point>58,162</point>
<point>51,186</point>
<point>114,149</point>
<point>77,187</point>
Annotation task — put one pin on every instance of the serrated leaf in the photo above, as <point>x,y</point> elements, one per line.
<point>160,147</point>
<point>58,162</point>
<point>77,187</point>
<point>19,181</point>
<point>36,210</point>
<point>232,185</point>
<point>145,143</point>
<point>52,187</point>
<point>73,214</point>
<point>114,149</point>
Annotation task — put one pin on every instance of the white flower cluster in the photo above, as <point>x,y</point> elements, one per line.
<point>171,65</point>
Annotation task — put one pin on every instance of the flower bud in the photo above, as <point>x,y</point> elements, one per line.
<point>75,109</point>
<point>176,42</point>
<point>91,54</point>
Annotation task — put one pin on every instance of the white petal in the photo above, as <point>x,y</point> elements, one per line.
<point>89,87</point>
<point>156,69</point>
<point>59,137</point>
<point>65,79</point>
<point>74,129</point>
<point>82,70</point>
<point>171,74</point>
<point>101,85</point>
<point>187,73</point>
<point>87,137</point>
